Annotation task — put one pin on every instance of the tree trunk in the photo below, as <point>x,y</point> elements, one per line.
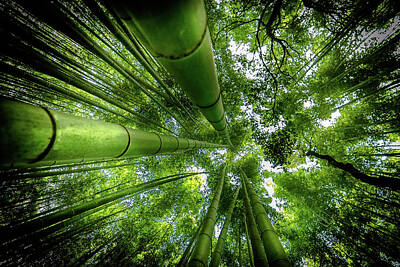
<point>240,249</point>
<point>260,258</point>
<point>9,234</point>
<point>249,249</point>
<point>273,248</point>
<point>184,51</point>
<point>380,181</point>
<point>216,258</point>
<point>46,174</point>
<point>204,242</point>
<point>34,135</point>
<point>185,255</point>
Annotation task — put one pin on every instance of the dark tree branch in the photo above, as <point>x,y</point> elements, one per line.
<point>259,45</point>
<point>379,181</point>
<point>234,25</point>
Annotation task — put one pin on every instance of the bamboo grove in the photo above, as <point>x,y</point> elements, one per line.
<point>196,133</point>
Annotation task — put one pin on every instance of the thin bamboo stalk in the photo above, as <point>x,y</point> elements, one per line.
<point>249,249</point>
<point>216,257</point>
<point>273,248</point>
<point>8,234</point>
<point>203,244</point>
<point>186,253</point>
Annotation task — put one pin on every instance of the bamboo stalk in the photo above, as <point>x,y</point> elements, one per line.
<point>32,135</point>
<point>203,244</point>
<point>273,248</point>
<point>28,227</point>
<point>216,258</point>
<point>259,256</point>
<point>185,51</point>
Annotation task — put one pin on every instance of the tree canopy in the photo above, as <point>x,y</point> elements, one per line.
<point>232,133</point>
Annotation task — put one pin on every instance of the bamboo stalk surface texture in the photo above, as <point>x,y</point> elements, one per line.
<point>176,33</point>
<point>31,135</point>
<point>273,248</point>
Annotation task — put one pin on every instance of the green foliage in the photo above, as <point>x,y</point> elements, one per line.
<point>295,76</point>
<point>251,166</point>
<point>279,146</point>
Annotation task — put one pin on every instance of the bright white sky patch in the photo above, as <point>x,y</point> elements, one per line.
<point>240,49</point>
<point>310,163</point>
<point>243,50</point>
<point>217,230</point>
<point>309,55</point>
<point>308,104</point>
<point>270,186</point>
<point>269,183</point>
<point>326,123</point>
<point>267,166</point>
<point>222,151</point>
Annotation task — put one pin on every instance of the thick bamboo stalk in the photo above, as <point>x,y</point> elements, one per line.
<point>131,47</point>
<point>203,244</point>
<point>183,46</point>
<point>273,248</point>
<point>32,135</point>
<point>216,258</point>
<point>52,14</point>
<point>260,258</point>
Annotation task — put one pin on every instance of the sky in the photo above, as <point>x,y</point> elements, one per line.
<point>243,50</point>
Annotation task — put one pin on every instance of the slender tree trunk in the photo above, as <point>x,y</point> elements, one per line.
<point>234,254</point>
<point>249,249</point>
<point>185,254</point>
<point>8,234</point>
<point>380,181</point>
<point>240,248</point>
<point>393,154</point>
<point>260,258</point>
<point>273,248</point>
<point>204,242</point>
<point>216,258</point>
<point>46,174</point>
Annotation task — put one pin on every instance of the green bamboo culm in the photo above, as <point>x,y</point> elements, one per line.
<point>186,254</point>
<point>249,249</point>
<point>29,227</point>
<point>216,257</point>
<point>31,135</point>
<point>260,258</point>
<point>183,46</point>
<point>204,241</point>
<point>273,248</point>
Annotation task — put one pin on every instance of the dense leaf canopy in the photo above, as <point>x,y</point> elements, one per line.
<point>311,96</point>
